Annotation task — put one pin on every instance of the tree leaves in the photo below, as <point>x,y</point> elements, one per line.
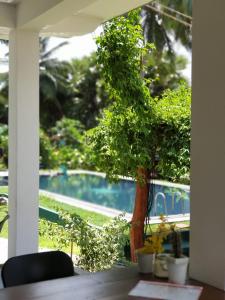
<point>136,129</point>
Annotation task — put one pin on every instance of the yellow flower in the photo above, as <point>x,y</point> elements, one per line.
<point>153,244</point>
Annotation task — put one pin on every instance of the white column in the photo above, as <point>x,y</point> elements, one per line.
<point>23,141</point>
<point>208,144</point>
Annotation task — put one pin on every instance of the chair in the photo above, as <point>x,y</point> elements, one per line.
<point>36,267</point>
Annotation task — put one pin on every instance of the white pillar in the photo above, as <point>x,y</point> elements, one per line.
<point>23,141</point>
<point>208,144</point>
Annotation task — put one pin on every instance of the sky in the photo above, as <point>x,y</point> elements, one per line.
<point>83,46</point>
<point>77,47</point>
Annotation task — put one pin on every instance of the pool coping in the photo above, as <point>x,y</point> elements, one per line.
<point>106,211</point>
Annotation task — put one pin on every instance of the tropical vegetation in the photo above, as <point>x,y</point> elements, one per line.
<point>99,247</point>
<point>76,91</point>
<point>138,135</point>
<point>124,110</point>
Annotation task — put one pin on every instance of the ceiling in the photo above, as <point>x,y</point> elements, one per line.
<point>8,1</point>
<point>60,17</point>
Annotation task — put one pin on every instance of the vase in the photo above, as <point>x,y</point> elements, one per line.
<point>145,262</point>
<point>177,269</point>
<point>160,266</point>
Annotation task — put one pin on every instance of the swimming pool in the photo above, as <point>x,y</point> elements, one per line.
<point>169,199</point>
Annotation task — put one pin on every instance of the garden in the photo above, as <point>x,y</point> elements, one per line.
<point>124,111</point>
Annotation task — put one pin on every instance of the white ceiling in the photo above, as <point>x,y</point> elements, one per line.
<point>7,1</point>
<point>60,17</point>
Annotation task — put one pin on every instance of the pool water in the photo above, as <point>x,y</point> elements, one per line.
<point>96,189</point>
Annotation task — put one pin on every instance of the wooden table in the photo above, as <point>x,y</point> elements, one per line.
<point>109,285</point>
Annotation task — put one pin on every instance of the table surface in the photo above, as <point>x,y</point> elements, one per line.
<point>109,285</point>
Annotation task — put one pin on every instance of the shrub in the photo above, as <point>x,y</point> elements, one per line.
<point>3,146</point>
<point>48,159</point>
<point>99,247</point>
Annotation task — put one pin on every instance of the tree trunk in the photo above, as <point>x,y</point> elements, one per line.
<point>139,214</point>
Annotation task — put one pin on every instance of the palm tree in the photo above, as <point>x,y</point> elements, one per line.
<point>90,96</point>
<point>55,86</point>
<point>164,72</point>
<point>167,19</point>
<point>166,22</point>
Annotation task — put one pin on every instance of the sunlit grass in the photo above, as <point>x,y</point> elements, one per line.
<point>50,203</point>
<point>92,217</point>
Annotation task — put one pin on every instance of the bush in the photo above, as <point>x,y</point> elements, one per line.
<point>3,146</point>
<point>48,159</point>
<point>99,247</point>
<point>68,140</point>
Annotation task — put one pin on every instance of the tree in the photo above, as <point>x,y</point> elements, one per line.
<point>56,88</point>
<point>90,96</point>
<point>172,131</point>
<point>69,89</point>
<point>67,139</point>
<point>166,22</point>
<point>48,159</point>
<point>164,73</point>
<point>129,138</point>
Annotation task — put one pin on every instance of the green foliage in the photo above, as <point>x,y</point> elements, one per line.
<point>48,158</point>
<point>54,233</point>
<point>56,88</point>
<point>67,132</point>
<point>90,216</point>
<point>46,240</point>
<point>68,143</point>
<point>126,137</point>
<point>136,130</point>
<point>56,91</point>
<point>121,139</point>
<point>99,248</point>
<point>162,30</point>
<point>90,96</point>
<point>164,71</point>
<point>67,89</point>
<point>174,121</point>
<point>3,146</point>
<point>120,51</point>
<point>180,32</point>
<point>62,145</point>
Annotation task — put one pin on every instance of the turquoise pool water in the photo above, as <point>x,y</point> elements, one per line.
<point>96,189</point>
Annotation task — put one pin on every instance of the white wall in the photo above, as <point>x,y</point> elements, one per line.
<point>208,144</point>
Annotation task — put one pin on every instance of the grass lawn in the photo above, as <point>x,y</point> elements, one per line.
<point>50,203</point>
<point>91,217</point>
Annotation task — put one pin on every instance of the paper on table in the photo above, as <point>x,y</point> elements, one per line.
<point>165,291</point>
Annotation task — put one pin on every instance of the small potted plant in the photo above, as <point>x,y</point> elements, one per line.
<point>152,246</point>
<point>177,262</point>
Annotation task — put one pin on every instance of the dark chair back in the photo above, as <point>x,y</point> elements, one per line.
<point>36,267</point>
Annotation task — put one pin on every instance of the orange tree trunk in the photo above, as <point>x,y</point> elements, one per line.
<point>139,213</point>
